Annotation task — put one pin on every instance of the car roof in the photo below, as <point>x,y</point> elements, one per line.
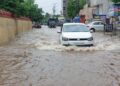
<point>73,24</point>
<point>96,21</point>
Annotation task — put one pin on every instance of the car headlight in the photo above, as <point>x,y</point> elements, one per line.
<point>64,39</point>
<point>90,39</point>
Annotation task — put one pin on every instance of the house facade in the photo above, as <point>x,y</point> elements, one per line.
<point>98,7</point>
<point>102,6</point>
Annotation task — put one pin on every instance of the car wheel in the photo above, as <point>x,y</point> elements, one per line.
<point>92,30</point>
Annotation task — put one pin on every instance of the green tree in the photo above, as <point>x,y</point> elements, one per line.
<point>115,1</point>
<point>74,6</point>
<point>82,3</point>
<point>71,12</point>
<point>47,16</point>
<point>32,11</point>
<point>24,8</point>
<point>11,5</point>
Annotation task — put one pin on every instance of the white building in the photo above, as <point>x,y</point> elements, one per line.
<point>100,7</point>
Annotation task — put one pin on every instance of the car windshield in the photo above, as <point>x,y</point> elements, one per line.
<point>75,28</point>
<point>52,20</point>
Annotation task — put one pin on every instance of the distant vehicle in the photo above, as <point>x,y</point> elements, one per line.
<point>79,19</point>
<point>52,22</point>
<point>37,25</point>
<point>76,19</point>
<point>67,20</point>
<point>60,23</point>
<point>96,26</point>
<point>75,34</point>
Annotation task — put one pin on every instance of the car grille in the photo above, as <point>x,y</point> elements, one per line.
<point>75,39</point>
<point>84,39</point>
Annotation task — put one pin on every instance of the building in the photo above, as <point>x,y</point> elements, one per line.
<point>101,6</point>
<point>87,11</point>
<point>98,7</point>
<point>64,6</point>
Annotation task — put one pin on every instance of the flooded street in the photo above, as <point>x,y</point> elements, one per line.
<point>36,58</point>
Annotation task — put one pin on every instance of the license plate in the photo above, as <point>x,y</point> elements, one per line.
<point>80,43</point>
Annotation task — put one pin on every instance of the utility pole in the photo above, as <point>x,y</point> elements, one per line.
<point>54,9</point>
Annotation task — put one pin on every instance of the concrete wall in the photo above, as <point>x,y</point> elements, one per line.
<point>10,27</point>
<point>103,6</point>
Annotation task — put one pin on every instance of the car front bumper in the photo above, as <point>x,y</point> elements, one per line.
<point>77,42</point>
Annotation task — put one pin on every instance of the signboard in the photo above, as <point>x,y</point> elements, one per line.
<point>114,10</point>
<point>99,17</point>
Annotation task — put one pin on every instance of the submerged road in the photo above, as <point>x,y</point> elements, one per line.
<point>36,58</point>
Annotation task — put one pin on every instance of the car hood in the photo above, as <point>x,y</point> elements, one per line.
<point>77,34</point>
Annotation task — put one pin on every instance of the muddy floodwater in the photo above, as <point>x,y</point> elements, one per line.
<point>36,58</point>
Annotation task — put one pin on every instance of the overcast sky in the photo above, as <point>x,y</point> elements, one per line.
<point>47,5</point>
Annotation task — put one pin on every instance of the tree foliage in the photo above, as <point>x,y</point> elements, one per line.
<point>115,1</point>
<point>24,8</point>
<point>82,3</point>
<point>73,7</point>
<point>71,12</point>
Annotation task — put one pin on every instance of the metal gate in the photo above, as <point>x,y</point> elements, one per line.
<point>112,28</point>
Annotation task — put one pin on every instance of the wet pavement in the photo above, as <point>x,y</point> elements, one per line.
<point>36,58</point>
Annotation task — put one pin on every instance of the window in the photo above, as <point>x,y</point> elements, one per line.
<point>75,28</point>
<point>96,23</point>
